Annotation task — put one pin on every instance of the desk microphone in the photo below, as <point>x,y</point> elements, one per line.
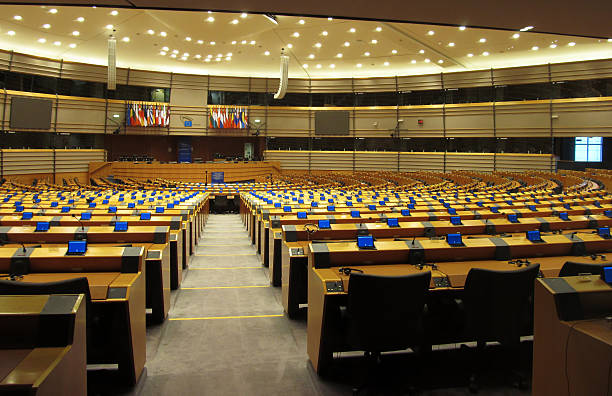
<point>79,220</point>
<point>23,247</point>
<point>413,239</point>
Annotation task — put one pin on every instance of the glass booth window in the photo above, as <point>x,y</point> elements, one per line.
<point>587,149</point>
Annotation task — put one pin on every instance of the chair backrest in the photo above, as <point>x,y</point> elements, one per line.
<point>571,268</point>
<point>385,312</point>
<point>499,304</point>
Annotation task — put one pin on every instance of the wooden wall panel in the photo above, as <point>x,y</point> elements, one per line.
<point>410,162</point>
<point>80,115</point>
<point>478,78</point>
<point>582,117</point>
<point>432,116</point>
<point>469,120</point>
<point>367,160</point>
<point>522,119</point>
<point>524,162</point>
<point>288,159</point>
<point>374,121</point>
<point>521,75</point>
<point>481,162</point>
<point>337,160</point>
<point>77,161</point>
<point>379,84</point>
<point>15,162</point>
<point>291,122</point>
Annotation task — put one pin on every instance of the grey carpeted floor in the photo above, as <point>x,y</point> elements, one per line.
<point>226,335</point>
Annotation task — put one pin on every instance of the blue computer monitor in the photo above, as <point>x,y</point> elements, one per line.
<point>381,203</point>
<point>536,200</point>
<point>131,205</point>
<point>159,209</point>
<point>494,209</point>
<point>54,204</point>
<point>607,275</point>
<point>411,205</point>
<point>112,209</point>
<point>534,236</point>
<point>509,202</point>
<point>365,242</point>
<point>608,213</point>
<point>65,209</point>
<point>405,212</point>
<point>480,203</point>
<point>452,211</point>
<point>513,218</point>
<point>324,224</point>
<point>92,204</point>
<point>86,216</point>
<point>77,248</point>
<point>604,232</point>
<point>27,215</point>
<point>393,222</point>
<point>121,226</point>
<point>330,200</point>
<point>314,204</point>
<point>355,213</point>
<point>455,220</point>
<point>145,216</point>
<point>331,208</point>
<point>567,206</point>
<point>532,208</point>
<point>454,239</point>
<point>105,201</point>
<point>277,204</point>
<point>42,226</point>
<point>564,216</point>
<point>372,207</point>
<point>597,204</point>
<point>302,215</point>
<point>446,204</point>
<point>359,199</point>
<point>349,203</point>
<point>286,208</point>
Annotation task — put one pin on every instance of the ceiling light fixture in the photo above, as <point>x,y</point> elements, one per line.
<point>200,41</point>
<point>229,58</point>
<point>271,18</point>
<point>413,61</point>
<point>462,28</point>
<point>535,48</point>
<point>53,11</point>
<point>243,42</point>
<point>175,51</point>
<point>244,15</point>
<point>163,53</point>
<point>76,33</point>
<point>207,60</point>
<point>318,66</point>
<point>212,43</point>
<point>394,51</point>
<point>163,34</point>
<point>386,63</point>
<point>57,43</point>
<point>11,32</point>
<point>311,56</point>
<point>301,22</point>
<point>114,12</point>
<point>378,29</point>
<point>366,54</point>
<point>46,26</point>
<point>571,44</point>
<point>125,39</point>
<point>253,42</point>
<point>165,49</point>
<point>359,65</point>
<point>482,40</point>
<point>431,33</point>
<point>210,19</point>
<point>289,45</point>
<point>526,28</point>
<point>421,51</point>
<point>374,41</point>
<point>324,33</point>
<point>296,34</point>
<point>427,60</point>
<point>80,19</point>
<point>150,31</point>
<point>42,40</point>
<point>470,55</point>
<point>332,66</point>
<point>267,53</point>
<point>72,45</point>
<point>172,55</point>
<point>440,61</point>
<point>339,55</point>
<point>516,35</point>
<point>318,45</point>
<point>234,42</point>
<point>18,17</point>
<point>347,44</point>
<point>352,30</point>
<point>234,21</point>
<point>553,45</point>
<point>305,65</point>
<point>330,19</point>
<point>485,53</point>
<point>451,44</point>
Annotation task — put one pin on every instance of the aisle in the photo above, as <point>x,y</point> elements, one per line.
<point>226,332</point>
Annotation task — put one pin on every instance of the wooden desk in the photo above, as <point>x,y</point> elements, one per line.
<point>43,360</point>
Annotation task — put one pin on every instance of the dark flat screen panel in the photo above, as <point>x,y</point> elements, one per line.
<point>30,113</point>
<point>334,122</point>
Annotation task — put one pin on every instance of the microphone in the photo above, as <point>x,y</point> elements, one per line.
<point>413,239</point>
<point>79,220</point>
<point>23,247</point>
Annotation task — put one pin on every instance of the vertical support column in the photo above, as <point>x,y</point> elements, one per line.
<point>169,98</point>
<point>54,165</point>
<point>397,124</point>
<point>310,130</point>
<point>494,122</point>
<point>550,114</point>
<point>354,125</point>
<point>207,115</point>
<point>444,123</point>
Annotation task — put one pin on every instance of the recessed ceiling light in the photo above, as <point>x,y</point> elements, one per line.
<point>210,19</point>
<point>80,19</point>
<point>209,56</point>
<point>125,39</point>
<point>535,48</point>
<point>296,34</point>
<point>386,63</point>
<point>218,59</point>
<point>482,40</point>
<point>53,11</point>
<point>451,44</point>
<point>200,41</point>
<point>571,44</point>
<point>229,58</point>
<point>421,51</point>
<point>305,65</point>
<point>318,45</point>
<point>219,55</point>
<point>163,53</point>
<point>431,33</point>
<point>183,58</point>
<point>234,42</point>
<point>332,66</point>
<point>553,45</point>
<point>207,60</point>
<point>347,44</point>
<point>150,31</point>
<point>11,32</point>
<point>394,51</point>
<point>378,29</point>
<point>339,55</point>
<point>289,45</point>
<point>413,61</point>
<point>73,45</point>
<point>253,42</point>
<point>427,60</point>
<point>243,42</point>
<point>610,40</point>
<point>516,35</point>
<point>311,56</point>
<point>461,27</point>
<point>18,17</point>
<point>76,33</point>
<point>212,43</point>
<point>366,54</point>
<point>318,66</point>
<point>57,43</point>
<point>109,27</point>
<point>359,65</point>
<point>301,22</point>
<point>374,41</point>
<point>42,40</point>
<point>244,15</point>
<point>187,38</point>
<point>352,30</point>
<point>324,33</point>
<point>440,61</point>
<point>526,28</point>
<point>114,12</point>
<point>46,26</point>
<point>470,55</point>
<point>175,51</point>
<point>234,21</point>
<point>229,54</point>
<point>165,48</point>
<point>267,53</point>
<point>485,53</point>
<point>172,55</point>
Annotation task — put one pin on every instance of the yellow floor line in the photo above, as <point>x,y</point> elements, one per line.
<point>230,317</point>
<point>226,255</point>
<point>223,287</point>
<point>222,268</point>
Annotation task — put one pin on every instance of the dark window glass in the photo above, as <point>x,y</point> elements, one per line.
<point>258,99</point>
<point>524,145</point>
<point>376,98</point>
<point>582,88</point>
<point>540,91</point>
<point>284,143</point>
<point>471,145</point>
<point>376,144</point>
<point>333,99</point>
<point>88,89</point>
<point>333,144</point>
<point>291,99</point>
<point>422,144</point>
<point>434,96</point>
<point>468,95</point>
<point>44,84</point>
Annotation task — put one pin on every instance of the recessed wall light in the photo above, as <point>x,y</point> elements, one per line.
<point>11,32</point>
<point>571,44</point>
<point>234,21</point>
<point>332,66</point>
<point>516,35</point>
<point>553,45</point>
<point>109,27</point>
<point>347,44</point>
<point>427,60</point>
<point>125,39</point>
<point>366,54</point>
<point>378,29</point>
<point>301,22</point>
<point>305,65</point>
<point>165,48</point>
<point>535,48</point>
<point>80,19</point>
<point>421,51</point>
<point>267,53</point>
<point>374,41</point>
<point>311,56</point>
<point>386,63</point>
<point>470,55</point>
<point>482,40</point>
<point>150,31</point>
<point>57,43</point>
<point>318,45</point>
<point>18,17</point>
<point>339,55</point>
<point>46,26</point>
<point>72,45</point>
<point>359,65</point>
<point>462,28</point>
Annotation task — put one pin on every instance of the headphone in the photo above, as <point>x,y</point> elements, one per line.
<point>348,270</point>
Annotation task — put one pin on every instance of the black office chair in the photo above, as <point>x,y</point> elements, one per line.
<point>498,306</point>
<point>221,204</point>
<point>385,313</point>
<point>571,268</point>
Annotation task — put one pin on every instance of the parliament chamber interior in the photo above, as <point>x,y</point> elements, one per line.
<point>317,198</point>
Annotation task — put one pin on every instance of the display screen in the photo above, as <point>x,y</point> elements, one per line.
<point>365,242</point>
<point>86,216</point>
<point>332,122</point>
<point>454,239</point>
<point>77,247</point>
<point>121,226</point>
<point>534,236</point>
<point>30,113</point>
<point>42,226</point>
<point>324,224</point>
<point>145,216</point>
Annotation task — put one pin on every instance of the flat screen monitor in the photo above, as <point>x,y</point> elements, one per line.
<point>331,208</point>
<point>286,208</point>
<point>159,209</point>
<point>332,122</point>
<point>495,209</point>
<point>513,218</point>
<point>455,220</point>
<point>405,212</point>
<point>27,215</point>
<point>393,222</point>
<point>112,209</point>
<point>608,213</point>
<point>372,207</point>
<point>30,113</point>
<point>77,248</point>
<point>314,204</point>
<point>454,239</point>
<point>42,226</point>
<point>604,232</point>
<point>607,275</point>
<point>86,216</point>
<point>131,205</point>
<point>302,215</point>
<point>452,211</point>
<point>121,226</point>
<point>355,213</point>
<point>65,209</point>
<point>564,216</point>
<point>19,208</point>
<point>324,224</point>
<point>349,203</point>
<point>145,216</point>
<point>365,242</point>
<point>532,208</point>
<point>534,236</point>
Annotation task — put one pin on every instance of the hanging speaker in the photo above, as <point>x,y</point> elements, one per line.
<point>112,63</point>
<point>284,71</point>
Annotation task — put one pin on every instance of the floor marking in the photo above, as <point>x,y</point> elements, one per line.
<point>223,287</point>
<point>226,255</point>
<point>222,268</point>
<point>230,317</point>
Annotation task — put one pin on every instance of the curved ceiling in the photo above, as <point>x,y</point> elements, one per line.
<point>234,44</point>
